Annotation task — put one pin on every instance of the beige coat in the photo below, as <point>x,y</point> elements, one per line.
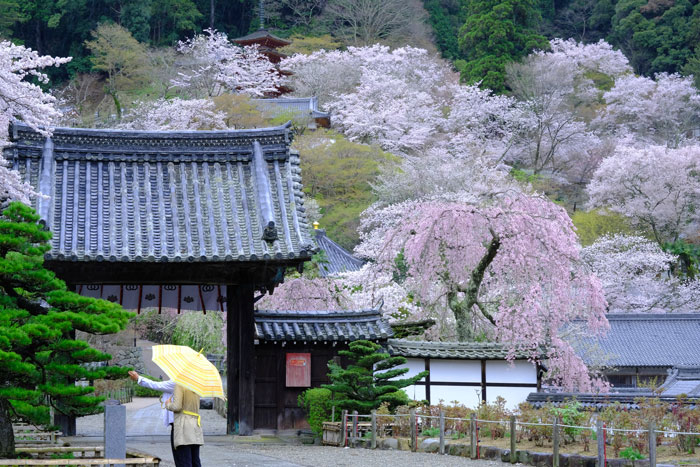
<point>185,428</point>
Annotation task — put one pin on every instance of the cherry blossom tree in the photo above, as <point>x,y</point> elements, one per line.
<point>174,114</point>
<point>555,92</point>
<point>665,110</point>
<point>657,188</point>
<point>510,269</point>
<point>636,276</point>
<point>23,100</point>
<point>217,66</point>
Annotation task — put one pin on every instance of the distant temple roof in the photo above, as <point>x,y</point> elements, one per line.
<point>320,326</point>
<point>648,340</point>
<point>450,350</point>
<point>302,106</point>
<point>263,38</point>
<point>680,381</point>
<point>194,196</point>
<point>339,260</point>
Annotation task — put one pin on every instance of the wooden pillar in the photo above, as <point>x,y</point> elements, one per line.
<point>427,381</point>
<point>240,356</point>
<point>241,353</point>
<point>232,358</point>
<point>483,381</point>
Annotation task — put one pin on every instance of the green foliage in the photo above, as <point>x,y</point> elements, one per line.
<point>39,358</point>
<point>446,17</point>
<point>316,402</point>
<point>497,32</point>
<point>591,225</point>
<point>154,326</point>
<point>200,331</point>
<point>570,414</point>
<point>431,432</point>
<point>370,380</point>
<point>631,453</point>
<point>308,44</point>
<point>338,174</point>
<point>688,257</point>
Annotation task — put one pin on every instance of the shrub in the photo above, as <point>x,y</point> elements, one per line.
<point>317,404</point>
<point>200,331</point>
<point>631,453</point>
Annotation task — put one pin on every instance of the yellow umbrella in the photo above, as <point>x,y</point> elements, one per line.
<point>190,369</point>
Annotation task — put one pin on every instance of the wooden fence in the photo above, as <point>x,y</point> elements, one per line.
<point>352,431</point>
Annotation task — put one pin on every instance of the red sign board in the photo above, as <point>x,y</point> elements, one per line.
<point>298,370</point>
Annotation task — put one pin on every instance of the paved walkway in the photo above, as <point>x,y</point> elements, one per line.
<point>146,433</point>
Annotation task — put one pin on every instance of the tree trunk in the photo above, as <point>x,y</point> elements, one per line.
<point>7,436</point>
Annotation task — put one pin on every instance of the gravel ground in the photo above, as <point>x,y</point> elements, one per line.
<point>326,456</point>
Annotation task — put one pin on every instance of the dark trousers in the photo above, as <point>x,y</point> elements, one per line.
<point>184,456</point>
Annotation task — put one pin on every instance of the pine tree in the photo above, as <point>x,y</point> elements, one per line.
<point>369,381</point>
<point>497,32</point>
<point>39,358</point>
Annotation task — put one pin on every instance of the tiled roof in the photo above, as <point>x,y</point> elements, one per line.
<point>451,350</point>
<point>651,340</point>
<point>682,380</point>
<point>339,259</point>
<point>302,106</point>
<point>166,196</point>
<point>320,326</point>
<point>262,37</point>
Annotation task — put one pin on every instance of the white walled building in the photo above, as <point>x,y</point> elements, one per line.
<point>467,372</point>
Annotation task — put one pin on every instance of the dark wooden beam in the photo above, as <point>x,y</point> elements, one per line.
<point>246,341</point>
<point>263,272</point>
<point>427,380</point>
<point>232,359</point>
<point>483,380</point>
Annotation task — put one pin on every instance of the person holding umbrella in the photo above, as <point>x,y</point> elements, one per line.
<point>187,427</point>
<point>194,377</point>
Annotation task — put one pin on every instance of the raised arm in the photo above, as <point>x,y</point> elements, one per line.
<point>162,386</point>
<point>175,403</point>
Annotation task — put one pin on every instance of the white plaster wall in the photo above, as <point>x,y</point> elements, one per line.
<point>467,395</point>
<point>513,396</point>
<point>463,371</point>
<point>501,371</point>
<point>414,365</point>
<point>417,392</point>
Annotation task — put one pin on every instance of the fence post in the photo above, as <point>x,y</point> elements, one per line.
<point>442,432</point>
<point>601,442</point>
<point>354,428</point>
<point>555,442</point>
<point>414,434</point>
<point>332,413</point>
<point>374,429</point>
<point>652,444</point>
<point>472,438</point>
<point>513,453</point>
<point>344,424</point>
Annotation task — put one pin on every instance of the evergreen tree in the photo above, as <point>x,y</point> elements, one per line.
<point>368,382</point>
<point>39,356</point>
<point>497,32</point>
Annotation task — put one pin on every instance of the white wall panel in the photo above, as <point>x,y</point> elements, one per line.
<point>467,395</point>
<point>513,396</point>
<point>414,365</point>
<point>501,371</point>
<point>463,371</point>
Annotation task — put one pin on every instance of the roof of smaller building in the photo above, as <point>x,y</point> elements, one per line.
<point>302,106</point>
<point>339,260</point>
<point>682,380</point>
<point>450,350</point>
<point>262,37</point>
<point>646,340</point>
<point>320,326</point>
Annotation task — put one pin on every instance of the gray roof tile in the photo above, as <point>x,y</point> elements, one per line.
<point>320,326</point>
<point>166,196</point>
<point>339,259</point>
<point>450,350</point>
<point>651,340</point>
